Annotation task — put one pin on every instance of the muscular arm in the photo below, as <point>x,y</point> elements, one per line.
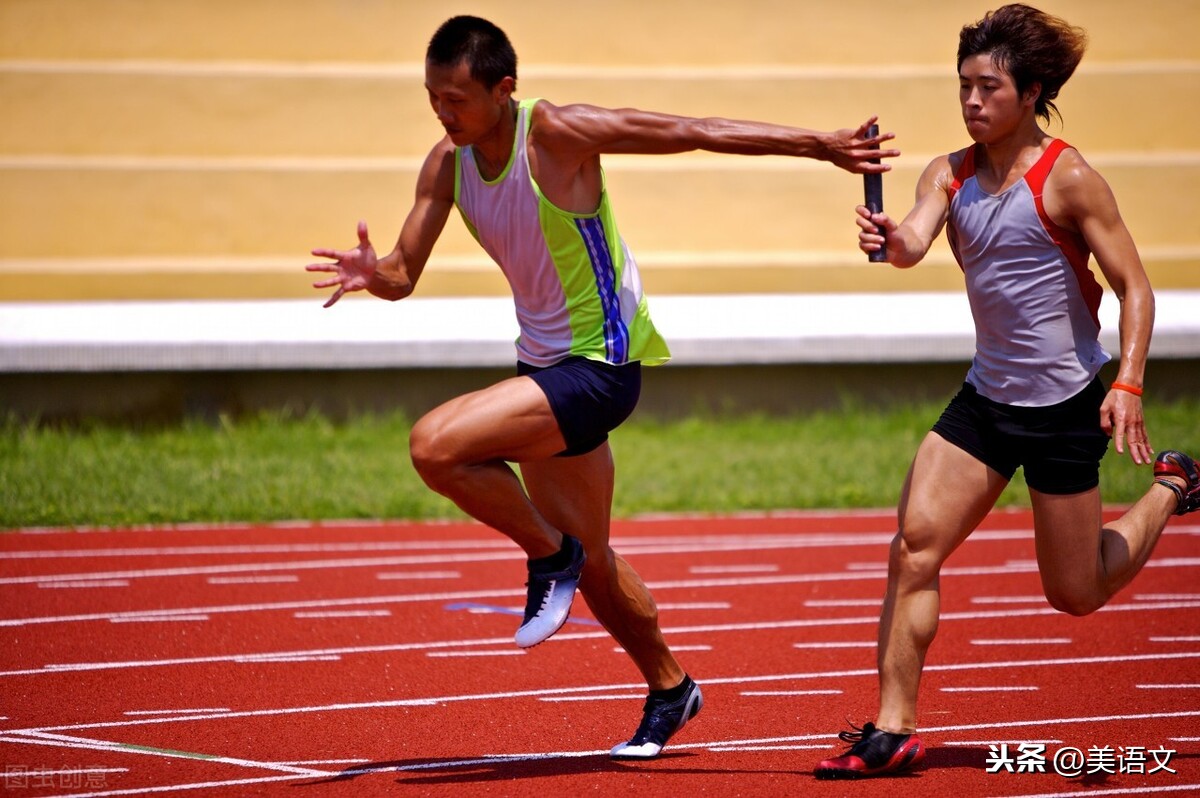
<point>1078,198</point>
<point>397,272</point>
<point>395,275</point>
<point>586,131</point>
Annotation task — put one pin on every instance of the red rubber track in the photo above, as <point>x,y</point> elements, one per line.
<point>377,658</point>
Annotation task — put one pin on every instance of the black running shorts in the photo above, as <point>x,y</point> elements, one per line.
<point>589,398</point>
<point>1059,446</point>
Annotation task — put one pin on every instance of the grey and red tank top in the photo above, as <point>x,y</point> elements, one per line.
<point>1033,298</point>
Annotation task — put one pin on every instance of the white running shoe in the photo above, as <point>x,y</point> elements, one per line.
<point>548,603</point>
<point>660,720</point>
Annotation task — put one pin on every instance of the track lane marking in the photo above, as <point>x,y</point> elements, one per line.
<point>837,576</point>
<point>871,620</point>
<point>560,691</point>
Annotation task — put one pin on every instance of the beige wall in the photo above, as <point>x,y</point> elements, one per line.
<point>200,148</point>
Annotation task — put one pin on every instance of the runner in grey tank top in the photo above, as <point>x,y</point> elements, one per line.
<point>1023,212</point>
<point>1033,298</point>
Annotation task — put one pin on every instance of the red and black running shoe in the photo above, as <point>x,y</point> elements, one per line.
<point>873,752</point>
<point>1177,464</point>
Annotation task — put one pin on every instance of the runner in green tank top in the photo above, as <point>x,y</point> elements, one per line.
<point>579,367</point>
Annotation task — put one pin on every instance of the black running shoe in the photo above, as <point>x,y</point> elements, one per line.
<point>873,753</point>
<point>660,720</point>
<point>1178,464</point>
<point>548,600</point>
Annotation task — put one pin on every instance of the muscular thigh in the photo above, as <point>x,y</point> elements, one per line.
<point>511,420</point>
<point>948,492</point>
<point>1067,531</point>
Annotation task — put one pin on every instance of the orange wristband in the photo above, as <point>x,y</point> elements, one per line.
<point>1133,389</point>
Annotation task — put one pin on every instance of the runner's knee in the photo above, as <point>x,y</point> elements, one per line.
<point>913,557</point>
<point>431,456</point>
<point>1075,602</point>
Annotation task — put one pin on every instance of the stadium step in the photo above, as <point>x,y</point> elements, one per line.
<point>199,148</point>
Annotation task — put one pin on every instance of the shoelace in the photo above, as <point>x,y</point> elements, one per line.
<point>544,586</point>
<point>652,721</point>
<point>858,734</point>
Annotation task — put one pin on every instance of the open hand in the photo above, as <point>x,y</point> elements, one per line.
<point>854,151</point>
<point>352,268</point>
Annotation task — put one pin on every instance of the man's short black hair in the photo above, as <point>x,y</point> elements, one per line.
<point>484,47</point>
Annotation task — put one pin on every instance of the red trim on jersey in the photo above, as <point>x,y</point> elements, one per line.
<point>965,170</point>
<point>1072,244</point>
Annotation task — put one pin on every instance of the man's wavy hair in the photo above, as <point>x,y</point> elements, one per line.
<point>1031,46</point>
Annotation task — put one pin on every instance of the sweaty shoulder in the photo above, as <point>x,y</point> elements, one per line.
<point>555,126</point>
<point>1075,191</point>
<point>1070,170</point>
<point>939,174</point>
<point>437,173</point>
<point>546,120</point>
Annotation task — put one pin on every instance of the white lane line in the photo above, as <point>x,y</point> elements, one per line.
<point>1008,599</point>
<point>712,545</point>
<point>620,650</point>
<point>1015,724</point>
<point>10,774</point>
<point>1166,596</point>
<point>1000,742</point>
<point>996,689</point>
<point>1168,686</point>
<point>36,737</point>
<point>625,697</point>
<point>1028,641</point>
<point>415,575</point>
<point>663,544</point>
<point>498,652</point>
<point>259,548</point>
<point>622,543</point>
<point>1185,639</point>
<point>839,644</point>
<point>83,583</point>
<point>561,691</point>
<point>304,762</point>
<point>794,741</point>
<point>247,660</point>
<point>200,785</point>
<point>695,605</point>
<point>253,580</point>
<point>733,569</point>
<point>159,618</point>
<point>871,602</point>
<point>345,614</point>
<point>770,693</point>
<point>871,620</point>
<point>158,712</point>
<point>716,749</point>
<point>242,568</point>
<point>654,586</point>
<point>1114,791</point>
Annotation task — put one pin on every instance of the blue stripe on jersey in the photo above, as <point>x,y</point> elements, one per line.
<point>616,334</point>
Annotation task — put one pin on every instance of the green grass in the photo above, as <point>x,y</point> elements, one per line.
<point>278,467</point>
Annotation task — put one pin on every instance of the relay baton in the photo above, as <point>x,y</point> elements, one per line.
<point>873,196</point>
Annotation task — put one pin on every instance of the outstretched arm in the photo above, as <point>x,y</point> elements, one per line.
<point>395,275</point>
<point>1078,198</point>
<point>587,131</point>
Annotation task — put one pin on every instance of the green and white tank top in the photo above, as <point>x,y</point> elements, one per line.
<point>575,283</point>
